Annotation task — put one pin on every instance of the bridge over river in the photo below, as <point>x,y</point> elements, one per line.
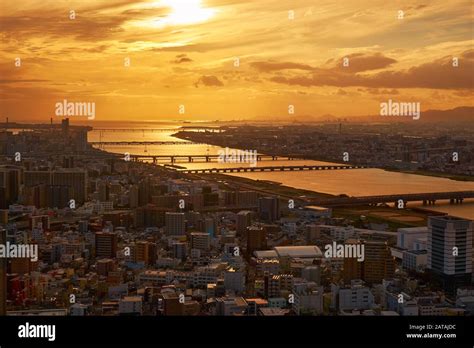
<point>426,198</point>
<point>270,169</point>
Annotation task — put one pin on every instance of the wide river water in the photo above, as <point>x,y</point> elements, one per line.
<point>354,182</point>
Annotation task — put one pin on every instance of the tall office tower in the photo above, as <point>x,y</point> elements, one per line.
<point>244,220</point>
<point>269,208</point>
<point>75,178</point>
<point>247,198</point>
<point>378,263</point>
<point>150,216</point>
<point>450,249</point>
<point>105,245</point>
<point>3,275</point>
<point>256,239</point>
<point>210,226</point>
<point>35,195</point>
<point>179,250</point>
<point>201,241</point>
<point>104,191</point>
<point>144,191</point>
<point>65,126</point>
<point>133,196</point>
<point>58,196</point>
<point>80,141</point>
<point>145,252</point>
<point>230,198</point>
<point>352,268</point>
<point>175,224</point>
<point>10,180</point>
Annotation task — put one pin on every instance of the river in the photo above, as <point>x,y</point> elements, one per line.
<point>354,182</point>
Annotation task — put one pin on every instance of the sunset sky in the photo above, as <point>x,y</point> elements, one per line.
<point>184,53</point>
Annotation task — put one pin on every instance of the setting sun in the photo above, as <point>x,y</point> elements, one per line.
<point>184,12</point>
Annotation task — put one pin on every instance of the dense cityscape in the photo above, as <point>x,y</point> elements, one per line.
<point>236,172</point>
<point>119,236</point>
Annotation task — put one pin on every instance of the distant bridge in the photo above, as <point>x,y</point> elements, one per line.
<point>126,143</point>
<point>426,198</point>
<point>200,158</point>
<point>176,129</point>
<point>269,169</point>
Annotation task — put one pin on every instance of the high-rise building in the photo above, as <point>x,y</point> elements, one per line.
<point>144,191</point>
<point>150,216</point>
<point>105,244</point>
<point>10,180</point>
<point>59,196</point>
<point>210,226</point>
<point>65,126</point>
<point>179,250</point>
<point>256,239</point>
<point>378,263</point>
<point>269,209</point>
<point>103,190</point>
<point>234,279</point>
<point>355,296</point>
<point>75,178</point>
<point>201,241</point>
<point>145,252</point>
<point>175,224</point>
<point>450,241</point>
<point>230,198</point>
<point>244,220</point>
<point>36,195</point>
<point>352,267</point>
<point>247,198</point>
<point>133,196</point>
<point>407,237</point>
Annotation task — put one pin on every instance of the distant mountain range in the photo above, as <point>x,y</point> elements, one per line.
<point>456,115</point>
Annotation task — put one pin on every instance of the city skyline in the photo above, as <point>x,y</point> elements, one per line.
<point>212,165</point>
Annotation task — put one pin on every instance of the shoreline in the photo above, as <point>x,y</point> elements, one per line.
<point>454,177</point>
<point>301,195</point>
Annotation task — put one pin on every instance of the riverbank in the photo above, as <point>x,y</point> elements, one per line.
<point>456,177</point>
<point>360,216</point>
<point>435,174</point>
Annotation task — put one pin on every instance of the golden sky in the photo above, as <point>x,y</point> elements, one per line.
<point>184,52</point>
